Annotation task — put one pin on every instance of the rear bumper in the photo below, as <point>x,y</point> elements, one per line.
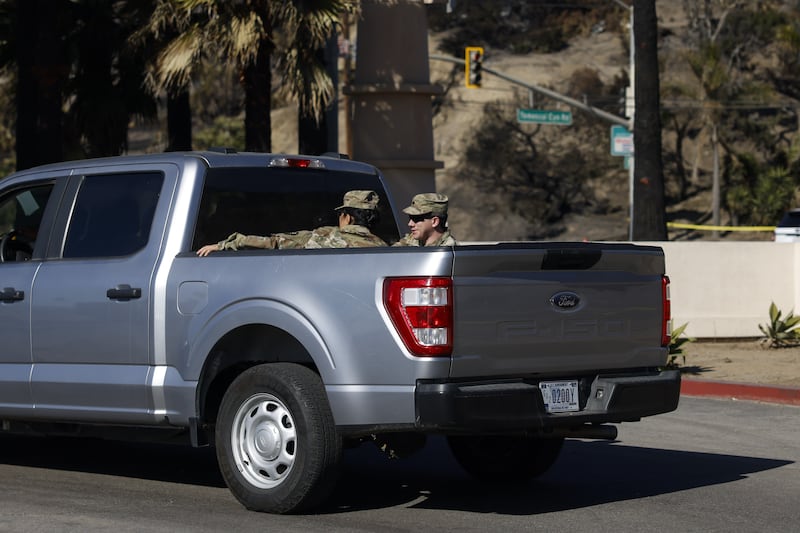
<point>513,405</point>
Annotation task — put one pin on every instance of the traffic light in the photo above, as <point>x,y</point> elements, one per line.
<point>473,57</point>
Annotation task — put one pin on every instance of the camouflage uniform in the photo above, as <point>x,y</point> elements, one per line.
<point>237,241</point>
<point>423,204</point>
<point>446,239</point>
<point>349,236</point>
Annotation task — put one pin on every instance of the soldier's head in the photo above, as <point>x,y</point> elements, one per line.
<point>427,214</point>
<point>359,208</point>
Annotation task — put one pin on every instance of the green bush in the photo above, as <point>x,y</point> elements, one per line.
<point>676,343</point>
<point>225,131</point>
<point>779,331</point>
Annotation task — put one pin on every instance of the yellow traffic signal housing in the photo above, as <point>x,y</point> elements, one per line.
<point>473,59</point>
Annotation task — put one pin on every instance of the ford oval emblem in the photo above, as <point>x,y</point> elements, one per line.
<point>565,300</point>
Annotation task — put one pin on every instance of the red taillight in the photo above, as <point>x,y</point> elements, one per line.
<point>295,162</point>
<point>421,310</point>
<point>666,312</point>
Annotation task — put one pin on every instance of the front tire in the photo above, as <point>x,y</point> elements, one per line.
<point>277,445</point>
<point>504,458</point>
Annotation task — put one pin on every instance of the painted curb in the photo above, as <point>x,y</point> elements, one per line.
<point>740,391</point>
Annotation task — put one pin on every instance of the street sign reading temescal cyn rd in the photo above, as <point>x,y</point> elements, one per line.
<point>544,116</point>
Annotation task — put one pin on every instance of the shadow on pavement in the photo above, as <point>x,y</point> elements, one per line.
<point>586,474</point>
<point>158,462</point>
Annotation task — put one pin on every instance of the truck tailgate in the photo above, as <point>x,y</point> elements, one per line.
<point>553,308</point>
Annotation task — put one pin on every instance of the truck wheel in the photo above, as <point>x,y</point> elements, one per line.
<point>504,458</point>
<point>277,445</point>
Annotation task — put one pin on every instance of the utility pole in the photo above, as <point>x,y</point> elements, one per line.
<point>648,182</point>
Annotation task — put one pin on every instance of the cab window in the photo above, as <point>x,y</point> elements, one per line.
<point>20,218</point>
<point>113,214</point>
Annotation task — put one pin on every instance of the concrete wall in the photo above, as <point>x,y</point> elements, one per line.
<point>724,289</point>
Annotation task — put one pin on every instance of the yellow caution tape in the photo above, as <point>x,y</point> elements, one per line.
<point>681,225</point>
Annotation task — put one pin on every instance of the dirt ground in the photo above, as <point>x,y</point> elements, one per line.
<point>742,362</point>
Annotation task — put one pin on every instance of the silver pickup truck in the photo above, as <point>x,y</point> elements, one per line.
<point>112,326</point>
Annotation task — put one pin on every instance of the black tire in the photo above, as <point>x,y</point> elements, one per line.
<point>277,445</point>
<point>504,458</point>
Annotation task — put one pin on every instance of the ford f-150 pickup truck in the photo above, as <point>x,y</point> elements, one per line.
<point>112,326</point>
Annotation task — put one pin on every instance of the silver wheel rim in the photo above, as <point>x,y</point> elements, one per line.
<point>264,441</point>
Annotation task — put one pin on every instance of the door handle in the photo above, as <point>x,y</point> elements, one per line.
<point>124,292</point>
<point>10,294</point>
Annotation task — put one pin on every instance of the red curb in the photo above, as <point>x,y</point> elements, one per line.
<point>741,391</point>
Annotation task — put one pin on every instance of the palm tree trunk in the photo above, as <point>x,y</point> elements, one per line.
<point>179,122</point>
<point>42,72</point>
<point>258,104</point>
<point>315,137</point>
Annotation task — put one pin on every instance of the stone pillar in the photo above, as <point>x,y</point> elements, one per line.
<point>391,94</point>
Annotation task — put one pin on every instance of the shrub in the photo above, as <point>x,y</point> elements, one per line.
<point>779,331</point>
<point>676,346</point>
<point>224,131</point>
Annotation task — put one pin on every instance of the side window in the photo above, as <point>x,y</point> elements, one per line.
<point>113,214</point>
<point>20,217</point>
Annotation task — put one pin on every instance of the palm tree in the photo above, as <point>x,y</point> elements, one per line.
<point>106,83</point>
<point>165,23</point>
<point>78,83</point>
<point>253,34</point>
<point>33,43</point>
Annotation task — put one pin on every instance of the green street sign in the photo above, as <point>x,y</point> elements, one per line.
<point>544,116</point>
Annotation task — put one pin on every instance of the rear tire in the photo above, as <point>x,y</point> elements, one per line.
<point>277,445</point>
<point>504,458</point>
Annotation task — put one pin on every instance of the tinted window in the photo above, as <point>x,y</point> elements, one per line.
<point>260,201</point>
<point>113,214</point>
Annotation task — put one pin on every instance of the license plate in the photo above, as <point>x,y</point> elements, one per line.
<point>559,396</point>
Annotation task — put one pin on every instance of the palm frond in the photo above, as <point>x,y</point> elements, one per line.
<point>175,62</point>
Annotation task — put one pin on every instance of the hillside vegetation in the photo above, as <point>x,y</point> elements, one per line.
<point>727,88</point>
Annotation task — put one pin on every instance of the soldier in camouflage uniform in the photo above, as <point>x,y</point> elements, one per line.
<point>427,219</point>
<point>357,215</point>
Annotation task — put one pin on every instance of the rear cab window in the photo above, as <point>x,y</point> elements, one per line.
<point>263,201</point>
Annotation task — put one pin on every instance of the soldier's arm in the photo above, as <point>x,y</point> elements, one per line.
<point>237,241</point>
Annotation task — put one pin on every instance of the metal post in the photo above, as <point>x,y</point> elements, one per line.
<point>632,160</point>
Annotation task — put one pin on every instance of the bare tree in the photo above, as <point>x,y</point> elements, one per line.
<point>714,67</point>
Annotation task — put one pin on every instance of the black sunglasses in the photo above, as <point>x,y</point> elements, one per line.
<point>419,218</point>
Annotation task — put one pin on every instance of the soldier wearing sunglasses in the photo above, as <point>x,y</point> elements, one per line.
<point>427,222</point>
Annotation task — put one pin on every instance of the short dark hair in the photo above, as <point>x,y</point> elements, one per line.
<point>368,218</point>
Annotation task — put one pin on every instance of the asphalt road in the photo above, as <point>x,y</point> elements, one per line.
<point>713,465</point>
